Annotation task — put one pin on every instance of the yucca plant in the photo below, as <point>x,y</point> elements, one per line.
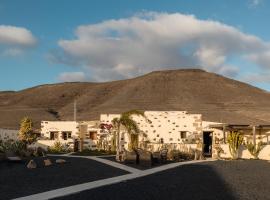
<point>254,149</point>
<point>235,139</point>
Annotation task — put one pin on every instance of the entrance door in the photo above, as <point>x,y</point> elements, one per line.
<point>207,141</point>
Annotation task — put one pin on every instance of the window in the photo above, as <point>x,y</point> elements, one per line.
<point>183,134</point>
<point>93,135</point>
<point>53,135</point>
<point>66,135</point>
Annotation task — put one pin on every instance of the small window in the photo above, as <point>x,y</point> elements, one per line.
<point>171,139</point>
<point>93,135</point>
<point>183,134</point>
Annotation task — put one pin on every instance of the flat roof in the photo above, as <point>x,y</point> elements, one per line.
<point>240,126</point>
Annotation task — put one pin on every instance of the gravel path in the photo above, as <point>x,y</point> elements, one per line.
<point>17,181</point>
<point>226,180</point>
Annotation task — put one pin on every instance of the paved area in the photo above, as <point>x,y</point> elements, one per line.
<point>18,181</point>
<point>247,180</point>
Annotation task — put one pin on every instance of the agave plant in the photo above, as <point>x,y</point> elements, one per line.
<point>254,149</point>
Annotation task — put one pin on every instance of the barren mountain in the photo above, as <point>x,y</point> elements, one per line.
<point>216,97</point>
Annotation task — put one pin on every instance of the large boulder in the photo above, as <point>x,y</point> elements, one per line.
<point>47,162</point>
<point>32,164</point>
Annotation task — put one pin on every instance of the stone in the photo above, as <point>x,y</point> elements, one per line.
<point>32,164</point>
<point>47,162</point>
<point>60,161</point>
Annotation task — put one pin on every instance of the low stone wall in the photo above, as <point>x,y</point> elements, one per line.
<point>244,153</point>
<point>8,134</point>
<point>48,143</point>
<point>181,147</point>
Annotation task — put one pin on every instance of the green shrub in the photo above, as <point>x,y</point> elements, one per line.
<point>58,147</point>
<point>14,146</point>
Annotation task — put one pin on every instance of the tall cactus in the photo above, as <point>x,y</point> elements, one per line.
<point>235,139</point>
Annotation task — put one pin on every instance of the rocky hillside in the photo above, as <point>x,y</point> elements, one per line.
<point>216,97</point>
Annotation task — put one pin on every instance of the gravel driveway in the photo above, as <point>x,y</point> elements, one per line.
<point>17,181</point>
<point>249,179</point>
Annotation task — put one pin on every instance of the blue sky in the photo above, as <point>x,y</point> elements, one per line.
<point>53,41</point>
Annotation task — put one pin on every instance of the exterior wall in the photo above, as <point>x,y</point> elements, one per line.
<point>59,127</point>
<point>244,153</point>
<point>220,142</point>
<point>73,127</point>
<point>8,134</point>
<point>164,125</point>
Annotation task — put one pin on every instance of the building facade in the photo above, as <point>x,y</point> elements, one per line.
<point>163,127</point>
<point>8,134</point>
<point>67,132</point>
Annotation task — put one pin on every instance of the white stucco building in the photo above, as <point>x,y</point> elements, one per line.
<point>8,134</point>
<point>163,127</point>
<point>67,131</point>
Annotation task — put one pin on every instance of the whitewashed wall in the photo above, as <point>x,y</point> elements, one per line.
<point>8,134</point>
<point>244,153</point>
<point>59,126</point>
<point>167,125</point>
<point>66,126</point>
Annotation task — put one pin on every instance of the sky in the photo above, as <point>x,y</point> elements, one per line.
<point>50,41</point>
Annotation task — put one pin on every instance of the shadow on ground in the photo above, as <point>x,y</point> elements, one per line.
<point>217,180</point>
<point>17,181</point>
<point>185,182</point>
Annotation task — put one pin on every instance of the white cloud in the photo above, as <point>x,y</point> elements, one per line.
<point>254,3</point>
<point>71,77</point>
<point>257,78</point>
<point>262,58</point>
<point>123,48</point>
<point>13,40</point>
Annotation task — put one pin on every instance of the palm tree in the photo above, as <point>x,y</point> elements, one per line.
<point>125,121</point>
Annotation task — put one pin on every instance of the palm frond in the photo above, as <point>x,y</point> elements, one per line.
<point>133,112</point>
<point>129,124</point>
<point>116,122</point>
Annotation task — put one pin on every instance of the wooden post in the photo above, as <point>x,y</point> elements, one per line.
<point>254,134</point>
<point>224,132</point>
<point>82,133</point>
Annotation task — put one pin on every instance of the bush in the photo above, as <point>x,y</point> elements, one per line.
<point>12,146</point>
<point>178,155</point>
<point>58,147</point>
